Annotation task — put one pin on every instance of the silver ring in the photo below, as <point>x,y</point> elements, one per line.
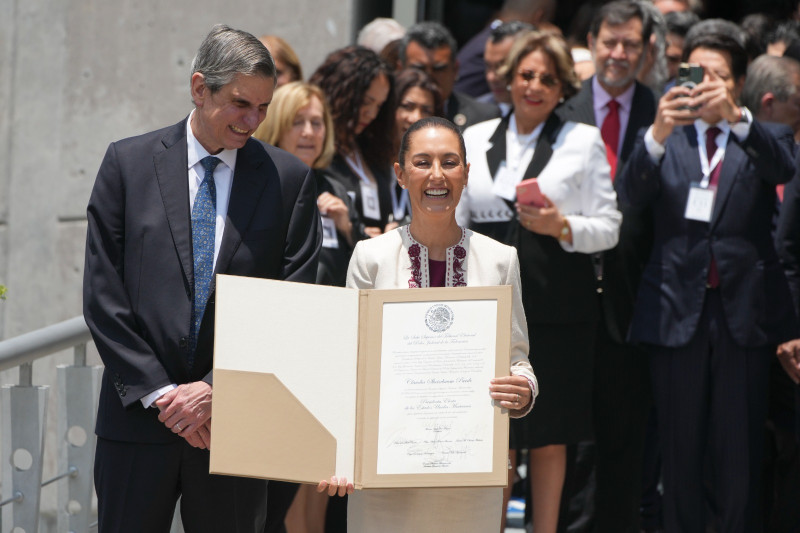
<point>181,429</point>
<point>517,400</point>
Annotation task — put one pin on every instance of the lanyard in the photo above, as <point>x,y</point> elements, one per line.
<point>399,205</point>
<point>357,165</point>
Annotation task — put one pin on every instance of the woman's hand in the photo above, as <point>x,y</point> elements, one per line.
<point>373,231</point>
<point>336,486</point>
<point>789,356</point>
<point>545,220</point>
<point>335,209</point>
<point>513,392</point>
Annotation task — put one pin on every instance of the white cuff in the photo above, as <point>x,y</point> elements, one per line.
<point>148,400</point>
<point>654,148</point>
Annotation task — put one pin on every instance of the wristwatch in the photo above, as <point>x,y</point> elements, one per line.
<point>744,116</point>
<point>564,230</point>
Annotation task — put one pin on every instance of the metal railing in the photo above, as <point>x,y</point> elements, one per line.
<point>23,409</point>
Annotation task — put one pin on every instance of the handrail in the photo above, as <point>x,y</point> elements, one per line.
<point>28,347</point>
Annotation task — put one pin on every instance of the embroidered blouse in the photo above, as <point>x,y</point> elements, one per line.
<point>455,261</point>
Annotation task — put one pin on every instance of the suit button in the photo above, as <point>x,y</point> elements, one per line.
<point>123,392</point>
<point>183,343</point>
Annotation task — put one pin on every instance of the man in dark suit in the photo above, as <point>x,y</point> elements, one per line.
<point>618,38</point>
<point>429,46</point>
<point>168,210</point>
<point>713,302</point>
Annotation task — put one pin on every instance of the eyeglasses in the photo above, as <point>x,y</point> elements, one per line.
<point>548,80</point>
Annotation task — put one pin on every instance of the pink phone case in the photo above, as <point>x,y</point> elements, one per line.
<point>528,193</point>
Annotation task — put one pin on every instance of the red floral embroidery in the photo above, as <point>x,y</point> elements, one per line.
<point>416,279</point>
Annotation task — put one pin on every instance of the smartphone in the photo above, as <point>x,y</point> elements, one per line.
<point>528,193</point>
<point>690,76</point>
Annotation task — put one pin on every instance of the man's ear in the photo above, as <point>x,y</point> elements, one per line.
<point>199,88</point>
<point>766,109</point>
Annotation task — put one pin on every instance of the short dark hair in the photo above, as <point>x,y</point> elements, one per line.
<point>429,35</point>
<point>430,122</point>
<point>226,52</point>
<point>787,31</point>
<point>508,29</point>
<point>680,22</point>
<point>345,77</point>
<point>723,36</point>
<point>620,12</point>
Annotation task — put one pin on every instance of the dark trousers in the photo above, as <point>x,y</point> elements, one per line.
<point>711,400</point>
<point>621,404</point>
<point>138,486</point>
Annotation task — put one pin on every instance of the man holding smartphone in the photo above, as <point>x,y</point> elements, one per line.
<point>713,302</point>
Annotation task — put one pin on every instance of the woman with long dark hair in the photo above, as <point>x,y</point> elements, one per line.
<point>359,87</point>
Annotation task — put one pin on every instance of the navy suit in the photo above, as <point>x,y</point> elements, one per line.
<point>621,384</point>
<point>710,348</point>
<point>138,284</point>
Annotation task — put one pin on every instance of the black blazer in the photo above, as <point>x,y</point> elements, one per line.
<point>622,266</point>
<point>139,271</point>
<point>755,296</point>
<point>341,172</point>
<point>464,110</point>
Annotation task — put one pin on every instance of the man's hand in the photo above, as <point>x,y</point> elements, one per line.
<point>186,409</point>
<point>712,96</point>
<point>671,112</point>
<point>789,356</point>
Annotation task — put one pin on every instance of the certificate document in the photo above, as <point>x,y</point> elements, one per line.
<point>436,362</point>
<point>389,388</point>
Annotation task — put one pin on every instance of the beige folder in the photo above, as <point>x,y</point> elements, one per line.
<point>297,373</point>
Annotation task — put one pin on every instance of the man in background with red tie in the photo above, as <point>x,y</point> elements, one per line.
<point>713,302</point>
<point>620,106</point>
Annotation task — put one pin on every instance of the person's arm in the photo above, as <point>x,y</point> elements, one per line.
<point>596,228</point>
<point>107,308</point>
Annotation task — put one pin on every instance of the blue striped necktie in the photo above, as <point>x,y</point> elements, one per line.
<point>204,224</point>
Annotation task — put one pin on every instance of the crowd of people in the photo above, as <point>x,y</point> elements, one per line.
<point>657,279</point>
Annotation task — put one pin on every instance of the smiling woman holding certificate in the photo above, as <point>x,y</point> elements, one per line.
<point>433,251</point>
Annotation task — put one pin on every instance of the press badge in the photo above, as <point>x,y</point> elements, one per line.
<point>505,183</point>
<point>700,204</point>
<point>329,237</point>
<point>369,201</point>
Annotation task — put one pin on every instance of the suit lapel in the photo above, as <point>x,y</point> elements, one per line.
<point>641,116</point>
<point>734,158</point>
<point>496,154</point>
<point>581,106</point>
<point>249,180</point>
<point>171,167</point>
<point>687,155</point>
<point>544,146</point>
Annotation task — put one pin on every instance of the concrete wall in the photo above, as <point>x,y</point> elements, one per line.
<point>76,75</point>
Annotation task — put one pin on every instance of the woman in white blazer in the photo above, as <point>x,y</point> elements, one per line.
<point>577,217</point>
<point>434,251</point>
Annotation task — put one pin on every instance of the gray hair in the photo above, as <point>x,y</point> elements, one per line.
<point>226,52</point>
<point>380,32</point>
<point>769,74</point>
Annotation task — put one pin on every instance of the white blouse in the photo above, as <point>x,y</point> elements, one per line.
<point>576,179</point>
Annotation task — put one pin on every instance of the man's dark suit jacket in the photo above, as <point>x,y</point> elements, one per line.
<point>139,271</point>
<point>623,264</point>
<point>755,296</point>
<point>464,111</point>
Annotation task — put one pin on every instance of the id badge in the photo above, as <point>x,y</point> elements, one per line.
<point>700,204</point>
<point>329,237</point>
<point>505,183</point>
<point>369,202</point>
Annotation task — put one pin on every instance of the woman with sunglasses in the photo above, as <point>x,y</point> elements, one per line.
<point>556,233</point>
